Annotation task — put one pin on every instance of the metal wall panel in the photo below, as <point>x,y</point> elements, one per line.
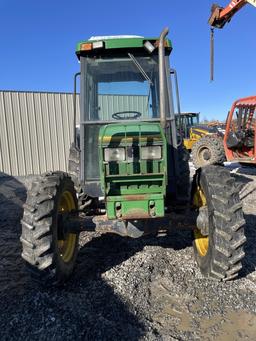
<point>36,128</point>
<point>109,104</point>
<point>35,131</point>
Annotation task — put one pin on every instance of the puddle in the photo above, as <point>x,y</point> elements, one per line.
<point>232,326</point>
<point>182,314</point>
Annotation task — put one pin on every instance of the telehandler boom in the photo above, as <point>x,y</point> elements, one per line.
<point>220,16</point>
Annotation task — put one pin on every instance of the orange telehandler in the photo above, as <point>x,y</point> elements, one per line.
<point>239,141</point>
<point>220,15</point>
<point>240,134</point>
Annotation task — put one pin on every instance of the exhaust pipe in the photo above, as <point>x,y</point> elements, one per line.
<point>162,77</point>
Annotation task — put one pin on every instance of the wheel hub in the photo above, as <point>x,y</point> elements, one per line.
<point>206,155</point>
<point>201,240</point>
<point>66,241</point>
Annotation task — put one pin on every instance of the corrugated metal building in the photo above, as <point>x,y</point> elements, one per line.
<point>36,128</point>
<point>109,104</point>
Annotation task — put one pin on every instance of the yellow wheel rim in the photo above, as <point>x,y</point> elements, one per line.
<point>66,246</point>
<point>201,241</point>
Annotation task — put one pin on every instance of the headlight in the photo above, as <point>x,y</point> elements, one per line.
<point>151,153</point>
<point>114,154</point>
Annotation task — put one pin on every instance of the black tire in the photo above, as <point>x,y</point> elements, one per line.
<point>209,150</point>
<point>183,180</point>
<point>48,258</point>
<point>221,259</point>
<point>74,170</point>
<point>74,165</point>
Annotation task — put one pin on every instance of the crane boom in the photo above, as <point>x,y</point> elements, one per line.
<point>222,15</point>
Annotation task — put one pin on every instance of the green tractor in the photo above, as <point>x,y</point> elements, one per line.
<point>129,172</point>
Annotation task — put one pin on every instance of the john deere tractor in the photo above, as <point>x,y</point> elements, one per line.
<point>128,173</point>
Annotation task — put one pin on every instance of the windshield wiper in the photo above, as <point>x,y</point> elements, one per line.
<point>140,68</point>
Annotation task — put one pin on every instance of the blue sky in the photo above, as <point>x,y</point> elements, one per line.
<point>38,40</point>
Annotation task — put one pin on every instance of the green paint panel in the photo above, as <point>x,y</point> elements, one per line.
<point>152,206</point>
<point>144,180</point>
<point>130,133</point>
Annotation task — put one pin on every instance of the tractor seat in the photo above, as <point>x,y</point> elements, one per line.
<point>241,138</point>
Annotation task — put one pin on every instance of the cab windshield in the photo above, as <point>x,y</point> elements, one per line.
<point>120,89</point>
<point>191,120</point>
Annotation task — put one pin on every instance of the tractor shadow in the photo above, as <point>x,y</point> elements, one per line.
<point>85,308</point>
<point>106,251</point>
<point>249,262</point>
<point>103,253</point>
<point>12,196</point>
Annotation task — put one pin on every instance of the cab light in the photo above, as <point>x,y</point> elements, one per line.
<point>151,153</point>
<point>149,47</point>
<point>97,44</point>
<point>114,154</point>
<point>86,47</point>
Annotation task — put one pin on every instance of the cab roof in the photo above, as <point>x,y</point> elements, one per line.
<point>111,45</point>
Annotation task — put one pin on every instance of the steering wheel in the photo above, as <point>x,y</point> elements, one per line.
<point>124,115</point>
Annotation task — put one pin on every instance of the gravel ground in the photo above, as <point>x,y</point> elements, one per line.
<point>124,289</point>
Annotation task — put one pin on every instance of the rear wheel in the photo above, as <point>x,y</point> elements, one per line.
<point>219,237</point>
<point>209,150</point>
<point>49,251</point>
<point>74,164</point>
<point>183,178</point>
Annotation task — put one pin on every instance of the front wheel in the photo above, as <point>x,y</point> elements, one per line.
<point>49,251</point>
<point>219,237</point>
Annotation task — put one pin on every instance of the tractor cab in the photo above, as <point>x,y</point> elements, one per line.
<point>185,121</point>
<point>120,87</point>
<point>239,139</point>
